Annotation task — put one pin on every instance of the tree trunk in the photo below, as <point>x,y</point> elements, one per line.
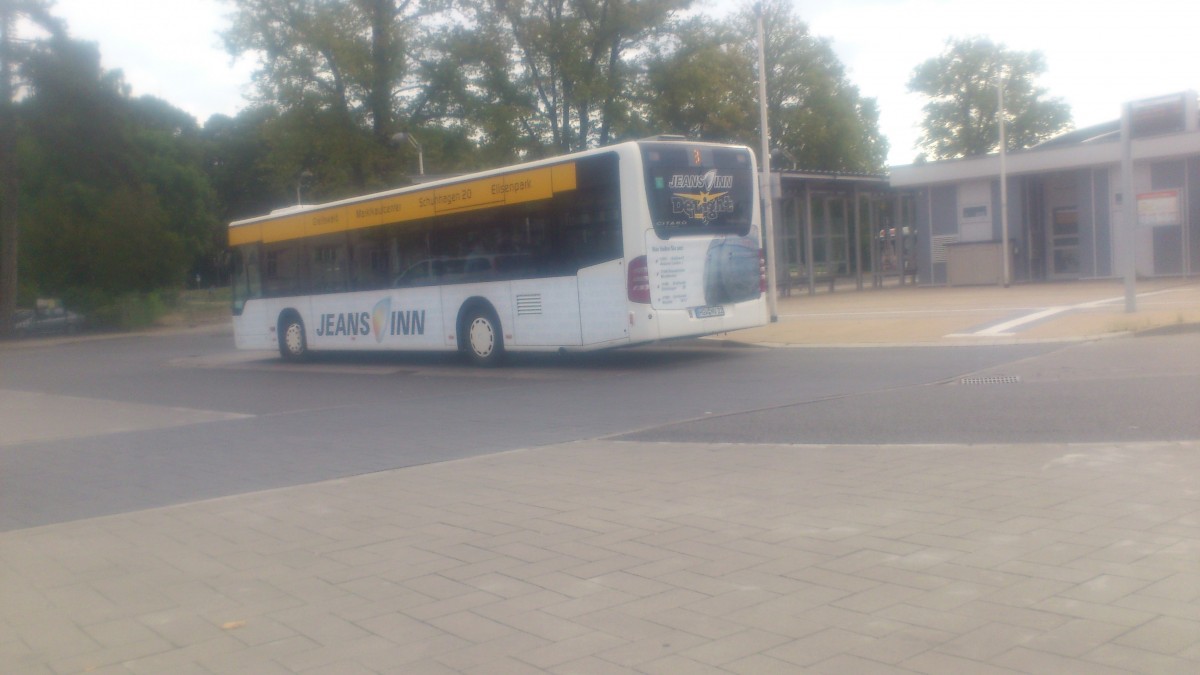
<point>8,178</point>
<point>380,96</point>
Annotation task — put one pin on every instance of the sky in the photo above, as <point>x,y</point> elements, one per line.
<point>1099,54</point>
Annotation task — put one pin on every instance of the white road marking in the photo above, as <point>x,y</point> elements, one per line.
<point>1008,328</point>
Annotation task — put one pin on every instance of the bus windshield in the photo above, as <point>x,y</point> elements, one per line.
<point>698,189</point>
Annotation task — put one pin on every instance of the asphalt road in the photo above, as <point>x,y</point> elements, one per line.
<point>108,426</point>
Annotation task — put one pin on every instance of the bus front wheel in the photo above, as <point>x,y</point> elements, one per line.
<point>293,346</point>
<point>484,341</point>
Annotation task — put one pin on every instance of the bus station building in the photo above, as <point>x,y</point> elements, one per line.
<point>939,223</point>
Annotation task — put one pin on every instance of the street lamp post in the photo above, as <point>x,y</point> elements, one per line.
<point>1004,246</point>
<point>405,137</point>
<point>768,229</point>
<point>1128,210</point>
<point>300,180</point>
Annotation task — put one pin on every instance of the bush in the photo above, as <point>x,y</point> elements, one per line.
<point>170,297</point>
<point>129,311</point>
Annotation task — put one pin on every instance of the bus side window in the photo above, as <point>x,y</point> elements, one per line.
<point>284,270</point>
<point>247,278</point>
<point>369,260</point>
<point>330,265</point>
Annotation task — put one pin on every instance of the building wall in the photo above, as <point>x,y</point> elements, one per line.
<point>1101,223</point>
<point>1018,217</point>
<point>1086,204</point>
<point>974,213</point>
<point>1193,211</point>
<point>1091,192</point>
<point>1062,201</point>
<point>943,202</point>
<point>1167,240</point>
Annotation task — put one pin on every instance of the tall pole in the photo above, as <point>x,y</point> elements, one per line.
<point>765,177</point>
<point>1128,211</point>
<point>858,228</point>
<point>1003,181</point>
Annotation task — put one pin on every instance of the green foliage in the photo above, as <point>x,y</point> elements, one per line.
<point>961,118</point>
<point>129,311</point>
<point>334,70</point>
<point>114,196</point>
<point>235,151</point>
<point>556,71</point>
<point>701,80</point>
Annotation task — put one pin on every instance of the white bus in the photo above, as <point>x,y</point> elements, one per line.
<point>623,245</point>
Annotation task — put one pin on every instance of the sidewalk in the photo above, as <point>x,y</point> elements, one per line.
<point>617,557</point>
<point>976,315</point>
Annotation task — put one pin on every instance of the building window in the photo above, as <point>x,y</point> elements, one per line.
<point>974,213</point>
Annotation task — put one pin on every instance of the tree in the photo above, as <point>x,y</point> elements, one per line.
<point>699,82</point>
<point>703,81</point>
<point>815,113</point>
<point>559,69</point>
<point>114,194</point>
<point>38,12</point>
<point>339,66</point>
<point>961,115</point>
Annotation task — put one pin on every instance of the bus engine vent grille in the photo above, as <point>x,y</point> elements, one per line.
<point>529,305</point>
<point>992,379</point>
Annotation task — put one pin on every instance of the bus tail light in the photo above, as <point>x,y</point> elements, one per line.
<point>639,280</point>
<point>762,271</point>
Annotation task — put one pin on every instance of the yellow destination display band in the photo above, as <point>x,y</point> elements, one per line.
<point>499,190</point>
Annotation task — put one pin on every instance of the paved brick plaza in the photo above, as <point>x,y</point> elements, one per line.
<point>608,557</point>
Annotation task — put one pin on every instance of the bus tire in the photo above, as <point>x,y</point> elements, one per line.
<point>483,341</point>
<point>293,345</point>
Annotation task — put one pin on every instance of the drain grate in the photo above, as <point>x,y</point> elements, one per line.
<point>992,379</point>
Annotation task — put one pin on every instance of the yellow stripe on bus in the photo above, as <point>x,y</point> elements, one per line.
<point>509,188</point>
<point>245,234</point>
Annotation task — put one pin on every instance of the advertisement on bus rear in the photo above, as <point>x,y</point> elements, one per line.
<point>699,190</point>
<point>699,274</point>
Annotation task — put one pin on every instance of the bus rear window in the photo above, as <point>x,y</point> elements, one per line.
<point>698,189</point>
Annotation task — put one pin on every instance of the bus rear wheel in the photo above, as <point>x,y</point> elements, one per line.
<point>484,341</point>
<point>293,345</point>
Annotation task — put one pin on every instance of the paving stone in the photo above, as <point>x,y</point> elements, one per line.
<point>634,653</point>
<point>1076,637</point>
<point>1105,588</point>
<point>760,664</point>
<point>902,644</point>
<point>1166,635</point>
<point>503,650</point>
<point>819,646</point>
<point>1141,660</point>
<point>570,649</point>
<point>877,598</point>
<point>734,647</point>
<point>988,641</point>
<point>848,663</point>
<point>588,665</point>
<point>1179,609</point>
<point>1033,661</point>
<point>937,663</point>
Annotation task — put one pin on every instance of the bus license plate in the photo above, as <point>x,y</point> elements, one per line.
<point>708,312</point>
